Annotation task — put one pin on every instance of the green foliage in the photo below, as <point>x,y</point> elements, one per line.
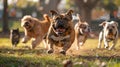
<point>25,3</point>
<point>12,25</point>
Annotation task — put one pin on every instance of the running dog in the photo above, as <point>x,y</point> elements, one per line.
<point>61,32</point>
<point>109,33</point>
<point>82,31</point>
<point>35,29</point>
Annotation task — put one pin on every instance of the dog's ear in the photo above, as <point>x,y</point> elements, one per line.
<point>69,13</point>
<point>80,18</point>
<point>53,13</point>
<point>103,24</point>
<point>116,23</point>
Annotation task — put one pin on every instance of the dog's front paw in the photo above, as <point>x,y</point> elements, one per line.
<point>63,52</point>
<point>111,48</point>
<point>24,41</point>
<point>106,46</point>
<point>50,51</point>
<point>81,43</point>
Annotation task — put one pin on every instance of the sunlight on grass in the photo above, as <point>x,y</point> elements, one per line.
<point>89,56</point>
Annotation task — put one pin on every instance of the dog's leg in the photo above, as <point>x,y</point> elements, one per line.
<point>114,42</point>
<point>106,44</point>
<point>83,41</point>
<point>45,44</point>
<point>66,46</point>
<point>113,45</point>
<point>100,39</point>
<point>36,42</point>
<point>50,48</point>
<point>77,46</point>
<point>25,39</point>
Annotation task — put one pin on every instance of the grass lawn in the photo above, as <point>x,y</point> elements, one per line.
<point>87,56</point>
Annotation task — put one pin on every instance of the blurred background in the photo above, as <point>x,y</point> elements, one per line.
<point>93,11</point>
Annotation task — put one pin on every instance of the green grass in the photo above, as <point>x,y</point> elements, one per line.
<point>87,56</point>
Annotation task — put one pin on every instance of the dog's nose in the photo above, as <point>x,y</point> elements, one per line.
<point>26,23</point>
<point>60,24</point>
<point>110,30</point>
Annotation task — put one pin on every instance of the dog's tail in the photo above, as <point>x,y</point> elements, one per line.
<point>46,17</point>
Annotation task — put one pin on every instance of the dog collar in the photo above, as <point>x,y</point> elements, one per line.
<point>59,38</point>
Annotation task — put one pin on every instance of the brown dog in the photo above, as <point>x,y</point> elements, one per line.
<point>35,29</point>
<point>61,32</point>
<point>81,32</point>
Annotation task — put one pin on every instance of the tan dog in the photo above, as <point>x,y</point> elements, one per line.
<point>81,31</point>
<point>61,32</point>
<point>34,29</point>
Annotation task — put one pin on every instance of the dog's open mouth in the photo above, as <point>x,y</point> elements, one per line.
<point>27,27</point>
<point>60,30</point>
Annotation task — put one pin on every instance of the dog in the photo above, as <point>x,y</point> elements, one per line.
<point>109,33</point>
<point>82,31</point>
<point>14,37</point>
<point>34,29</point>
<point>61,32</point>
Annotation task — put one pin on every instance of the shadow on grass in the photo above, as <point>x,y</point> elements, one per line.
<point>26,58</point>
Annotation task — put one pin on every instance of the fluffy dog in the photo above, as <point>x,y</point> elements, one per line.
<point>109,33</point>
<point>14,37</point>
<point>61,32</point>
<point>81,32</point>
<point>34,29</point>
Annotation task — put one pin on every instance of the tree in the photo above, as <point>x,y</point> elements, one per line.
<point>112,8</point>
<point>5,28</point>
<point>85,8</point>
<point>47,5</point>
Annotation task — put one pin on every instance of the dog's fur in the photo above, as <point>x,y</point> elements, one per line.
<point>61,32</point>
<point>14,37</point>
<point>35,29</point>
<point>109,33</point>
<point>82,31</point>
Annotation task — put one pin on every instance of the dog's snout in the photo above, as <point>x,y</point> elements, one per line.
<point>26,23</point>
<point>110,30</point>
<point>60,24</point>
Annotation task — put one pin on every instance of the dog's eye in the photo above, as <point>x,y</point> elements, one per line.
<point>30,20</point>
<point>84,27</point>
<point>113,27</point>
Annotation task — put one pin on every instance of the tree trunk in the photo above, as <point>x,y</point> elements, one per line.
<point>5,28</point>
<point>85,8</point>
<point>85,13</point>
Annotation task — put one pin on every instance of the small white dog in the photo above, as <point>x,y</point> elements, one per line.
<point>109,33</point>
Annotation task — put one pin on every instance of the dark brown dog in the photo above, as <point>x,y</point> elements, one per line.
<point>34,29</point>
<point>82,31</point>
<point>61,32</point>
